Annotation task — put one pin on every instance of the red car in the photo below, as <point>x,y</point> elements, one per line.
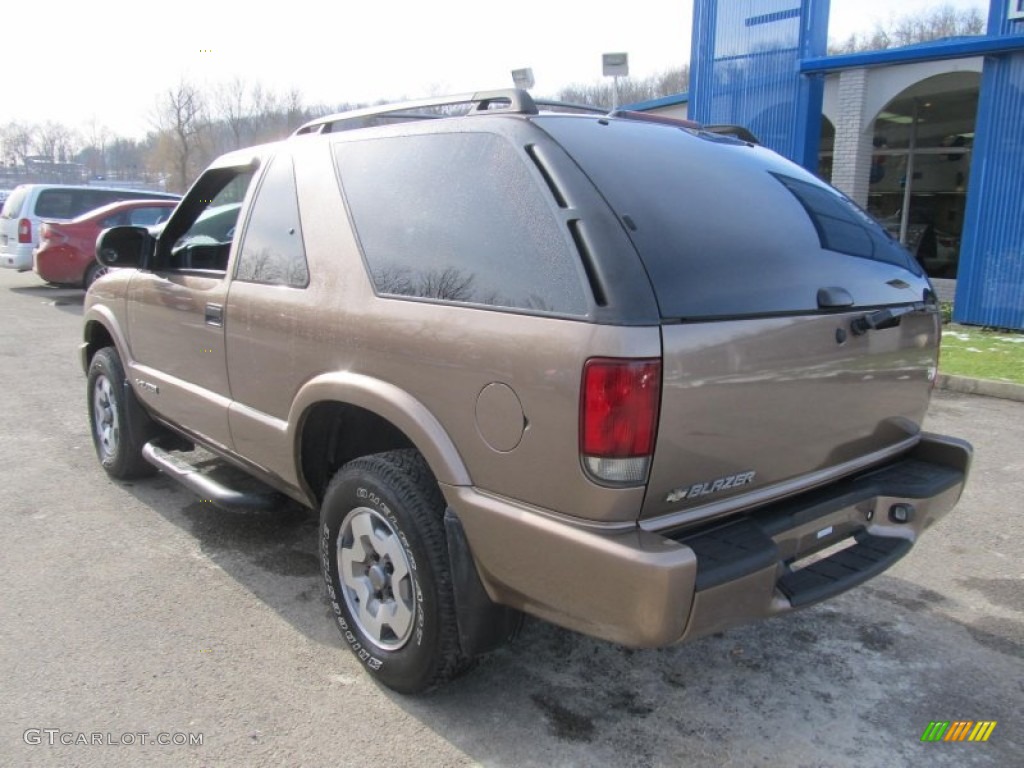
<point>67,250</point>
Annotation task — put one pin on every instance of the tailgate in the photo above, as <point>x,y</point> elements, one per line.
<point>760,408</point>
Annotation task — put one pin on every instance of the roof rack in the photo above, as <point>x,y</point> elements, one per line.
<point>506,101</point>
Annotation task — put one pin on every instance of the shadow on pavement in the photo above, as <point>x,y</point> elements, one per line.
<point>66,299</point>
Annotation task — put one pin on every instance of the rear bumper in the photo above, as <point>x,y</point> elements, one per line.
<point>645,589</point>
<point>59,265</point>
<point>17,256</point>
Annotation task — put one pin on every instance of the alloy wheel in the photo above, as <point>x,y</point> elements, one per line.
<point>376,578</point>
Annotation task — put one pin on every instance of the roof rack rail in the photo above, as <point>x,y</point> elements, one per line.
<point>570,105</point>
<point>507,100</point>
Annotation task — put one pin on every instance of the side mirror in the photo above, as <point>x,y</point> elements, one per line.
<point>124,247</point>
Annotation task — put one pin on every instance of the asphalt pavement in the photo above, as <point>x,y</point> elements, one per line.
<point>133,614</point>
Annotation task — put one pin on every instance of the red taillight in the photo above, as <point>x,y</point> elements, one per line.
<point>619,417</point>
<point>24,231</point>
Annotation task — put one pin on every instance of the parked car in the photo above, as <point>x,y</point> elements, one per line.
<point>67,250</point>
<point>529,361</point>
<point>30,204</point>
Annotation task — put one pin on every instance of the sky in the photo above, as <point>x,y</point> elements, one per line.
<point>104,62</point>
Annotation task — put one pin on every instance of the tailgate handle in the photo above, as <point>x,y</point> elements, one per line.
<point>214,314</point>
<point>883,318</point>
<point>834,297</point>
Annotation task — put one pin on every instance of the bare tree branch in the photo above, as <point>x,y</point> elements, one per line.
<point>181,116</point>
<point>943,21</point>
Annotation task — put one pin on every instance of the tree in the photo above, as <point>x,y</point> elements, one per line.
<point>125,159</point>
<point>631,90</point>
<point>18,139</point>
<point>55,142</point>
<point>181,120</point>
<point>295,113</point>
<point>233,108</point>
<point>940,22</point>
<point>94,154</point>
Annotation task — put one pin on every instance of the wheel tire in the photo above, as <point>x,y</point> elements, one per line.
<point>385,561</point>
<point>119,425</point>
<point>93,273</point>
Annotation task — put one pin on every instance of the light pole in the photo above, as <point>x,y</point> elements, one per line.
<point>615,65</point>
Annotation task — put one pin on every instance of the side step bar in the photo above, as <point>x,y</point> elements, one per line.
<point>207,487</point>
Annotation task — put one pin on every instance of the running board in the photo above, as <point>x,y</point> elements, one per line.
<point>209,488</point>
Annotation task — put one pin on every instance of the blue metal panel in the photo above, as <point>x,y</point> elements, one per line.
<point>939,50</point>
<point>990,284</point>
<point>744,70</point>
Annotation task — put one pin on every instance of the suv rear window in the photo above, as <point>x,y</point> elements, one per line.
<point>729,230</point>
<point>458,217</point>
<point>841,225</point>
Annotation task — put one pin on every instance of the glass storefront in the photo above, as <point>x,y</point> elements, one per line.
<point>920,166</point>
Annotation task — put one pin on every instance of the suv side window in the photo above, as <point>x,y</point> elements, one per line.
<point>458,217</point>
<point>88,200</point>
<point>55,204</point>
<point>272,250</point>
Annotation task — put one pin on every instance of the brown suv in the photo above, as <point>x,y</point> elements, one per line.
<point>636,378</point>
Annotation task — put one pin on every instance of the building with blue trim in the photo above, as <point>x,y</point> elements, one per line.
<point>929,137</point>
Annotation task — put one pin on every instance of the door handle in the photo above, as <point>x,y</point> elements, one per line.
<point>214,314</point>
<point>834,297</point>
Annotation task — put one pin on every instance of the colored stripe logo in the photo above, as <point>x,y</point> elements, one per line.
<point>958,730</point>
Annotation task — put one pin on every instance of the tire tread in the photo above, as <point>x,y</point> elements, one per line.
<point>407,474</point>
